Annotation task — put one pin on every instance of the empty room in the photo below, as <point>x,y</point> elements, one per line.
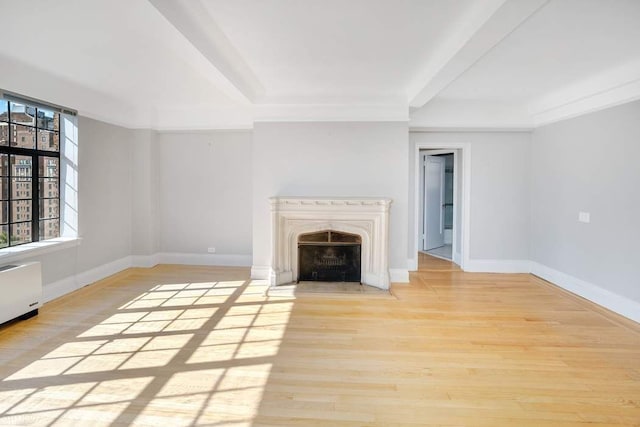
<point>320,213</point>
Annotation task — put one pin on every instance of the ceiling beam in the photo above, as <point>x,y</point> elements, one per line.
<point>609,88</point>
<point>194,22</point>
<point>483,27</point>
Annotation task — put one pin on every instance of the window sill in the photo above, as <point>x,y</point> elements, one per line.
<point>37,248</point>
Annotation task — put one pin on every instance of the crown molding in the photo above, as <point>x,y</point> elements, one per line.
<point>427,129</point>
<point>586,98</point>
<point>331,113</point>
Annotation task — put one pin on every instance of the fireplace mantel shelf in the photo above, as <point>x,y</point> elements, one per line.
<point>324,201</point>
<point>367,217</point>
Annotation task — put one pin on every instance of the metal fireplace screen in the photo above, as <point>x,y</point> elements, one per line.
<point>329,256</point>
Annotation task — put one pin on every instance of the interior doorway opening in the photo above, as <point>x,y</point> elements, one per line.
<point>438,229</point>
<point>461,195</point>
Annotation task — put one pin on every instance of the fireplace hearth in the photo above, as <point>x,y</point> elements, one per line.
<point>329,256</point>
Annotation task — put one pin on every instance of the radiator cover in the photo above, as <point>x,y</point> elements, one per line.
<point>20,290</point>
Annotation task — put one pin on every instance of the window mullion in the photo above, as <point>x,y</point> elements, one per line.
<point>10,175</point>
<point>35,199</point>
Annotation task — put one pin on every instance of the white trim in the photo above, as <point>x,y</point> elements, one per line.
<point>260,272</point>
<point>432,129</point>
<point>330,113</point>
<point>16,253</point>
<point>105,270</point>
<point>464,210</point>
<point>412,264</point>
<point>145,261</point>
<point>399,275</point>
<point>622,305</point>
<point>612,97</point>
<point>59,288</point>
<point>185,258</point>
<point>497,266</point>
<point>69,284</point>
<point>246,129</point>
<point>456,258</point>
<point>228,260</point>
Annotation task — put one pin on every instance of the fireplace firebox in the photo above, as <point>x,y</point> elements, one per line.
<point>329,256</point>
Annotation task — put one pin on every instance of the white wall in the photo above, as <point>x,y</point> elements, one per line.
<point>589,164</point>
<point>499,208</point>
<point>330,159</point>
<point>104,203</point>
<point>205,192</point>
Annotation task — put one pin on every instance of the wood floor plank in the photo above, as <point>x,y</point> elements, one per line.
<point>205,346</point>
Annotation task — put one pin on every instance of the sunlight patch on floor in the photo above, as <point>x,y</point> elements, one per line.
<point>177,353</point>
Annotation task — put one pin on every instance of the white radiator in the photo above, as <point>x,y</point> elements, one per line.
<point>20,290</point>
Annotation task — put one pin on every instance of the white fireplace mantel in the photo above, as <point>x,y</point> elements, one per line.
<point>366,217</point>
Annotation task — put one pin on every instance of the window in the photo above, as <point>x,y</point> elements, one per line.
<point>29,173</point>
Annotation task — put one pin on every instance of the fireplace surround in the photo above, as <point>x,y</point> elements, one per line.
<point>367,218</point>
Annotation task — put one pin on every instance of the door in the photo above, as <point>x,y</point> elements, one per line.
<point>433,201</point>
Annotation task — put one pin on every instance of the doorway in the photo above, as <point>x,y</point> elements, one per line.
<point>437,190</point>
<point>461,198</point>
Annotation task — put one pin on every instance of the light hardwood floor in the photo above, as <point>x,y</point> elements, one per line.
<point>203,346</point>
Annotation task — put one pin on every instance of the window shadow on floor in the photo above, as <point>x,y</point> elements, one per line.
<point>192,350</point>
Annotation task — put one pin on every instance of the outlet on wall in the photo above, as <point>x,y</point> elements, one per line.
<point>211,250</point>
<point>584,217</point>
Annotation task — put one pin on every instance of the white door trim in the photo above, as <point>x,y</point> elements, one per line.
<point>464,210</point>
<point>455,197</point>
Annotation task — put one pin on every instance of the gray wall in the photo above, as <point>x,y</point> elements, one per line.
<point>589,164</point>
<point>104,202</point>
<point>499,211</point>
<point>330,159</point>
<point>205,198</point>
<point>141,192</point>
<point>144,193</point>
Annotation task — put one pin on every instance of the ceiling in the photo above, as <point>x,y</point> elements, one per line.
<point>195,64</point>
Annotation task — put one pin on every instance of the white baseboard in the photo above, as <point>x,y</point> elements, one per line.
<point>261,272</point>
<point>64,286</point>
<point>145,261</point>
<point>614,302</point>
<point>51,291</point>
<point>594,293</point>
<point>184,258</point>
<point>399,275</point>
<point>497,266</point>
<point>457,258</point>
<point>69,284</point>
<point>229,260</point>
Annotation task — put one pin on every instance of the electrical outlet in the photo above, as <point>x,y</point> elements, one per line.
<point>211,250</point>
<point>584,217</point>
